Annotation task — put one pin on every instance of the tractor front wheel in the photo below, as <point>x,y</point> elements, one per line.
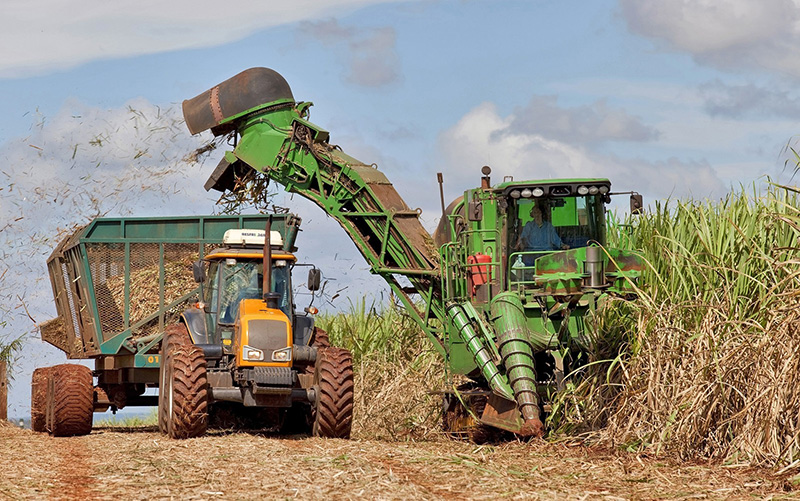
<point>174,336</point>
<point>333,381</point>
<point>320,339</point>
<point>183,386</point>
<point>69,400</point>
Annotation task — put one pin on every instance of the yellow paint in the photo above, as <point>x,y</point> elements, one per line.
<point>256,309</point>
<point>236,254</point>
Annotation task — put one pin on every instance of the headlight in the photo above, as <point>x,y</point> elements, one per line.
<point>603,190</point>
<point>537,192</point>
<point>593,190</point>
<point>526,193</point>
<point>283,355</point>
<point>583,190</point>
<point>515,194</point>
<point>250,353</point>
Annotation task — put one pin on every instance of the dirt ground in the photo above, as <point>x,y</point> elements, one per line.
<point>141,464</point>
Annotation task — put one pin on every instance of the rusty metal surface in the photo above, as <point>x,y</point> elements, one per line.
<point>101,400</point>
<point>503,414</point>
<point>624,262</point>
<point>558,262</point>
<point>442,234</point>
<point>249,89</point>
<point>408,224</point>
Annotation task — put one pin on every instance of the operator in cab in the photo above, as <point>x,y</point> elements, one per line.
<point>539,233</point>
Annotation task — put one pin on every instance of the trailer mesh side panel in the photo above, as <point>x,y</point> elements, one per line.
<point>146,280</point>
<point>72,310</point>
<point>107,265</point>
<point>178,277</point>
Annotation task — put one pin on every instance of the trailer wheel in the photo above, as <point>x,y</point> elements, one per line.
<point>39,382</point>
<point>70,400</point>
<point>333,381</point>
<point>183,390</point>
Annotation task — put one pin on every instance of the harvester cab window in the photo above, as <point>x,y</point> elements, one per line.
<point>547,225</point>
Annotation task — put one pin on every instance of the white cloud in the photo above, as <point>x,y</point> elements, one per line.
<point>581,124</point>
<point>81,163</point>
<point>734,35</point>
<point>483,136</point>
<point>39,37</point>
<point>749,100</point>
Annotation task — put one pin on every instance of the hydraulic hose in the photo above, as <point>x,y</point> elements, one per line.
<point>515,348</point>
<point>479,350</point>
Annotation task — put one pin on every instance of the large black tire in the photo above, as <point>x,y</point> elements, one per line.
<point>39,383</point>
<point>183,390</point>
<point>333,381</point>
<point>70,400</point>
<point>174,336</point>
<point>320,339</point>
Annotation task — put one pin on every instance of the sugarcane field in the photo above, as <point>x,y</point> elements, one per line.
<point>521,252</point>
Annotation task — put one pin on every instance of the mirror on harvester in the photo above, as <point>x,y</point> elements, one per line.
<point>314,275</point>
<point>637,206</point>
<point>199,272</point>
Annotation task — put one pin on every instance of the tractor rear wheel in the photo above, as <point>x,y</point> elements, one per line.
<point>39,382</point>
<point>70,400</point>
<point>333,381</point>
<point>183,386</point>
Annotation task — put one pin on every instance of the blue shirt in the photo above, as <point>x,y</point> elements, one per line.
<point>540,238</point>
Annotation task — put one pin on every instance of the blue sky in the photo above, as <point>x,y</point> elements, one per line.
<point>667,97</point>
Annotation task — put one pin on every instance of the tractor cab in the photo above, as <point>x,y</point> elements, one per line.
<point>235,313</point>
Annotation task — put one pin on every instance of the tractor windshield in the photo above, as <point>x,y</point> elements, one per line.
<point>242,279</point>
<point>545,225</point>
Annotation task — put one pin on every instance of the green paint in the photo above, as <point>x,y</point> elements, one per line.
<point>499,304</point>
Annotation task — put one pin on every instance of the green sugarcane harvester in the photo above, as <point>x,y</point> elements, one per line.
<point>509,317</point>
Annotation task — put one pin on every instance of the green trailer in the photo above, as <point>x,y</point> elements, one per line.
<point>120,284</point>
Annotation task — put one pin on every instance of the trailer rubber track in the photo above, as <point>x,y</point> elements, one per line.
<point>187,385</point>
<point>39,398</point>
<point>70,401</point>
<point>334,405</point>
